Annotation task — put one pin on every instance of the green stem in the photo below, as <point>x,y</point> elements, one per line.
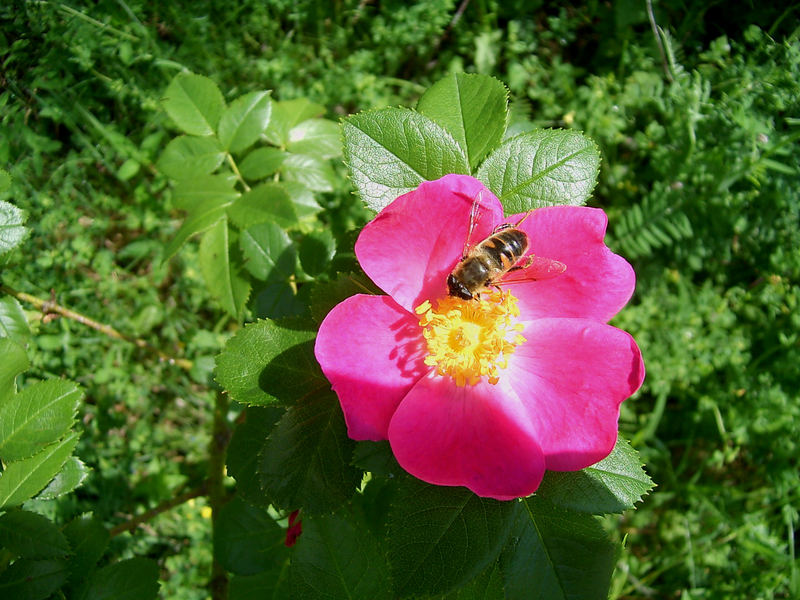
<point>237,173</point>
<point>220,435</point>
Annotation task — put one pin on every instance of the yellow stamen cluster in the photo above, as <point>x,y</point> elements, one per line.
<point>470,339</point>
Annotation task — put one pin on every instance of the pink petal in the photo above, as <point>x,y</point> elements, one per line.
<point>572,375</point>
<point>596,284</point>
<point>474,436</point>
<point>370,350</point>
<point>409,249</point>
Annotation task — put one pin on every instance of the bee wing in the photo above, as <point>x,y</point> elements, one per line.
<point>534,268</point>
<point>474,213</point>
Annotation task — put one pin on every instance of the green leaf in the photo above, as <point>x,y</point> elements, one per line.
<point>557,554</point>
<point>305,460</point>
<point>206,216</point>
<point>12,228</point>
<point>314,173</point>
<point>486,586</point>
<point>272,583</point>
<point>287,114</point>
<point>542,168</point>
<point>13,323</point>
<point>441,537</point>
<point>472,108</point>
<point>194,102</point>
<point>377,458</point>
<point>185,157</point>
<point>222,277</point>
<point>339,555</point>
<point>22,479</point>
<point>38,415</point>
<point>392,150</point>
<point>243,122</point>
<point>30,535</point>
<point>613,485</point>
<point>270,361</point>
<point>316,251</point>
<point>269,252</point>
<point>302,199</point>
<point>71,475</point>
<point>261,163</point>
<point>246,442</point>
<point>269,202</point>
<point>199,191</point>
<point>30,579</point>
<point>14,362</point>
<point>316,137</point>
<point>246,539</point>
<point>89,540</point>
<point>131,579</point>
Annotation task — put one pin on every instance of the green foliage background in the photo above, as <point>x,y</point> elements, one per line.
<point>700,178</point>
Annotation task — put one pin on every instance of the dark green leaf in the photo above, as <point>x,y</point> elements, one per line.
<point>12,226</point>
<point>246,442</point>
<point>194,102</point>
<point>316,251</point>
<point>131,579</point>
<point>243,122</point>
<point>278,300</point>
<point>317,137</point>
<point>14,362</point>
<point>30,535</point>
<point>486,586</point>
<point>22,479</point>
<point>542,168</point>
<point>222,276</point>
<point>38,415</point>
<point>185,157</point>
<point>327,295</point>
<point>472,108</point>
<point>246,539</point>
<point>71,475</point>
<point>305,462</point>
<point>199,192</point>
<point>556,554</point>
<point>314,173</point>
<point>269,253</point>
<point>261,162</point>
<point>89,540</point>
<point>337,557</point>
<point>13,323</point>
<point>270,584</point>
<point>377,458</point>
<point>32,579</point>
<point>5,182</point>
<point>268,202</point>
<point>442,537</point>
<point>286,115</point>
<point>270,361</point>
<point>392,150</point>
<point>613,485</point>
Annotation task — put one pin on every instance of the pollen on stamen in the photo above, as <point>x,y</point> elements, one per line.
<point>471,339</point>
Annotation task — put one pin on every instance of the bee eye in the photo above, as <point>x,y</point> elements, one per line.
<point>457,288</point>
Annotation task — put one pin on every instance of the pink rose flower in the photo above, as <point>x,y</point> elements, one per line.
<point>484,393</point>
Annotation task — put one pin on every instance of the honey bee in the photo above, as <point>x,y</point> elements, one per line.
<point>487,263</point>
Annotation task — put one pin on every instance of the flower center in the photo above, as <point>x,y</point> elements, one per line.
<point>470,339</point>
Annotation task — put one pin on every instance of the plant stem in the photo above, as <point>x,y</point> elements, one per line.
<point>154,512</point>
<point>48,307</point>
<point>220,435</point>
<point>236,172</point>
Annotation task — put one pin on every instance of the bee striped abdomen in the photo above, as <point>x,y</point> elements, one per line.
<point>504,248</point>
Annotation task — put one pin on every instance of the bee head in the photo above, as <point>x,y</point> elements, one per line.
<point>457,288</point>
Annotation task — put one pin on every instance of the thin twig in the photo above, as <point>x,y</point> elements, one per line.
<point>50,307</point>
<point>651,15</point>
<point>157,510</point>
